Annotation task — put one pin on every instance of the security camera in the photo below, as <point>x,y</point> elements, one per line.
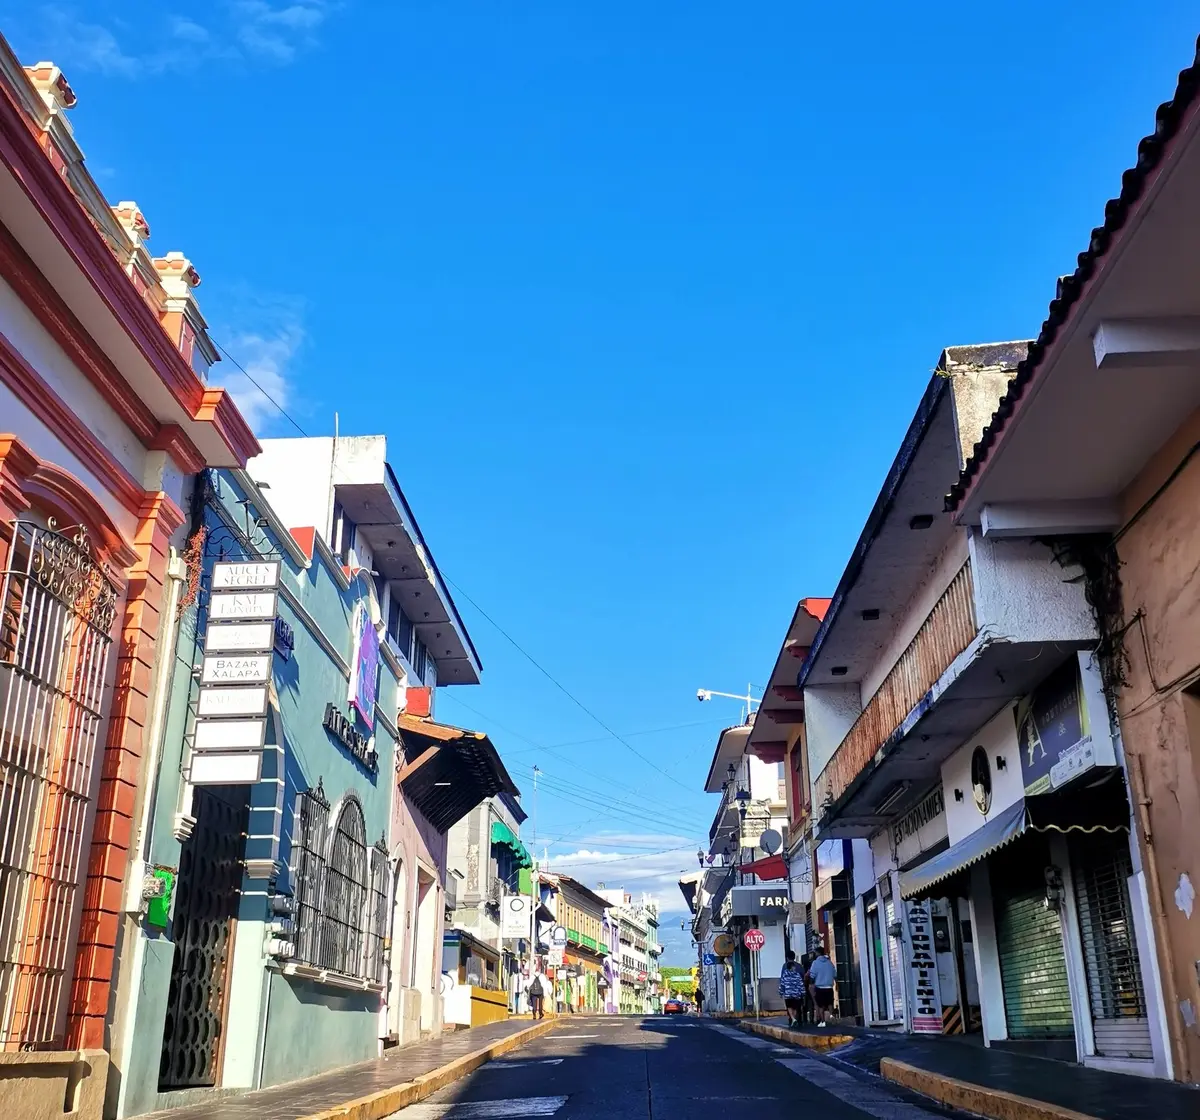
<point>703,694</point>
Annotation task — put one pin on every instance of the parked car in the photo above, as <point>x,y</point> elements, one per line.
<point>674,1006</point>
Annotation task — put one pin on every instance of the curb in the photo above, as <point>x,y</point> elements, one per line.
<point>805,1041</point>
<point>995,1104</point>
<point>383,1103</point>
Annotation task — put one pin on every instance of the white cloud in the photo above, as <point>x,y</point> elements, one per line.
<point>189,30</point>
<point>653,873</point>
<point>266,355</point>
<point>237,31</point>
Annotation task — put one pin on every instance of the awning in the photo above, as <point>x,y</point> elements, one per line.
<point>772,867</point>
<point>1101,807</point>
<point>447,771</point>
<point>503,835</point>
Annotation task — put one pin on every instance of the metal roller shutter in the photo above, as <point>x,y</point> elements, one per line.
<point>1101,867</point>
<point>1033,969</point>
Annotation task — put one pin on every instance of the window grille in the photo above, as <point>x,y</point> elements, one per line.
<point>340,889</point>
<point>57,609</point>
<point>378,903</point>
<point>308,869</point>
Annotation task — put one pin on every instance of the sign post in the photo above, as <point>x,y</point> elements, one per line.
<point>754,940</point>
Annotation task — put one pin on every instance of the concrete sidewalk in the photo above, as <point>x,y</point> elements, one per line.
<point>329,1091</point>
<point>1063,1086</point>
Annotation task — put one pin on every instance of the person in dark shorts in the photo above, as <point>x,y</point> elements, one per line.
<point>791,989</point>
<point>699,998</point>
<point>823,976</point>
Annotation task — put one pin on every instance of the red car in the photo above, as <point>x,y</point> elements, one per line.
<point>674,1006</point>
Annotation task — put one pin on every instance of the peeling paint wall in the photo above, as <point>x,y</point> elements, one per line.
<point>1160,716</point>
<point>829,712</point>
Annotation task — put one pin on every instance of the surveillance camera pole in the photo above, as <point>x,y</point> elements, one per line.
<point>748,699</point>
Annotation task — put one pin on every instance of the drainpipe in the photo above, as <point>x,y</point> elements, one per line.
<point>177,578</point>
<point>1144,802</point>
<point>177,575</point>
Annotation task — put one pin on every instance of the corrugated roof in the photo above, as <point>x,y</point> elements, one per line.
<point>1116,213</point>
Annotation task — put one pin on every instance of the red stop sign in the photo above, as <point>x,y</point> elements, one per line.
<point>754,940</point>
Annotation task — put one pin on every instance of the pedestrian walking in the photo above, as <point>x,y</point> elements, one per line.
<point>698,996</point>
<point>791,988</point>
<point>823,975</point>
<point>537,996</point>
<point>806,1005</point>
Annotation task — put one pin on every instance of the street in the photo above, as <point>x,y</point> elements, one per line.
<point>649,1069</point>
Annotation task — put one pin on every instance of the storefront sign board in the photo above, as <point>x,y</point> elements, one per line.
<point>923,973</point>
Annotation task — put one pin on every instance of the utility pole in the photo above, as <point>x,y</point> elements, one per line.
<point>536,772</point>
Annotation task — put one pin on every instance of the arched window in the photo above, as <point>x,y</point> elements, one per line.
<point>344,907</point>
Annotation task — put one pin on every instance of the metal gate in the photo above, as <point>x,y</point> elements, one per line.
<point>1101,868</point>
<point>57,608</point>
<point>1033,967</point>
<point>208,889</point>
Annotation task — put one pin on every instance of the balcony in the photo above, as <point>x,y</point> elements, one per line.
<point>943,636</point>
<point>984,643</point>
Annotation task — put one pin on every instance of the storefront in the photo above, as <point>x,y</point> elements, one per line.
<point>833,902</point>
<point>1038,885</point>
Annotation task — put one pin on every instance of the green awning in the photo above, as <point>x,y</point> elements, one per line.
<point>502,834</point>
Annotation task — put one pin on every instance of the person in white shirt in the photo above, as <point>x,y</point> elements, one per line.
<point>823,976</point>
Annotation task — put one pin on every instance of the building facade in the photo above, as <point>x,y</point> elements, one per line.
<point>1114,370</point>
<point>105,417</point>
<point>970,801</point>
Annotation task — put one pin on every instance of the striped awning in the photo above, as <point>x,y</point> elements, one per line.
<point>1101,806</point>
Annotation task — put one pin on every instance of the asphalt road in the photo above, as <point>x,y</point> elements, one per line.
<point>655,1069</point>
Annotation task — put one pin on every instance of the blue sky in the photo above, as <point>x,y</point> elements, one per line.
<point>644,296</point>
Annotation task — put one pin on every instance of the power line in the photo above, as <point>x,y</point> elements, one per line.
<point>508,637</point>
<point>249,377</point>
<point>563,688</point>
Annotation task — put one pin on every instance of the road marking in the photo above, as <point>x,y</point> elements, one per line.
<point>482,1110</point>
<point>561,1036</point>
<point>866,1098</point>
<point>524,1062</point>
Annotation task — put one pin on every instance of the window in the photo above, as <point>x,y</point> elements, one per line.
<point>404,635</point>
<point>340,889</point>
<point>343,533</point>
<point>420,658</point>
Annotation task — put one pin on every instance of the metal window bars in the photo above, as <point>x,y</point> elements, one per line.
<point>308,869</point>
<point>57,609</point>
<point>340,889</point>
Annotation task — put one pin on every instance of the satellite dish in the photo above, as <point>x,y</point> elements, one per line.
<point>770,841</point>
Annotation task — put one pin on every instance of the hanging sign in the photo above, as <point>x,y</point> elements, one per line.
<point>231,725</point>
<point>229,734</point>
<point>364,675</point>
<point>232,701</point>
<point>243,575</point>
<point>514,916</point>
<point>239,637</point>
<point>242,605</point>
<point>235,668</point>
<point>1052,732</point>
<point>922,957</point>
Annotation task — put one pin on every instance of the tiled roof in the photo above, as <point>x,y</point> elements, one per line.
<point>1116,212</point>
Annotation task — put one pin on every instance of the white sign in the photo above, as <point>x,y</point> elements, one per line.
<point>921,828</point>
<point>242,604</point>
<point>235,637</point>
<point>232,702</point>
<point>922,963</point>
<point>237,668</point>
<point>514,916</point>
<point>245,575</point>
<point>230,734</point>
<point>213,769</point>
<point>555,958</point>
<point>559,937</point>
